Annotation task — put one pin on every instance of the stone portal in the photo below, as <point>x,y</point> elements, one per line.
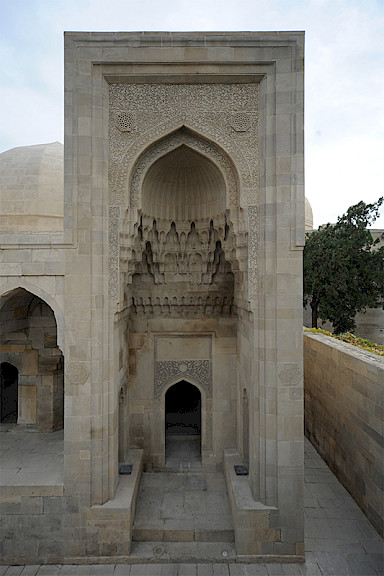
<point>173,264</point>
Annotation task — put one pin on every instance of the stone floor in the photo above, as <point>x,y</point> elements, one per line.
<point>339,540</point>
<point>183,451</point>
<point>29,457</point>
<point>190,505</point>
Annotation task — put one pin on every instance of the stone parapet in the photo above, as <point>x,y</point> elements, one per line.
<point>344,417</point>
<point>111,523</point>
<point>257,534</point>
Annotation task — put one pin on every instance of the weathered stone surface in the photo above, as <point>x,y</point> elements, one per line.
<point>176,267</point>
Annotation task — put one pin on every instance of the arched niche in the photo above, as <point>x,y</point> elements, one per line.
<point>183,185</point>
<point>8,289</point>
<point>190,149</point>
<point>28,322</point>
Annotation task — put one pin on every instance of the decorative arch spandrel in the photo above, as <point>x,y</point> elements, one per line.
<point>226,115</point>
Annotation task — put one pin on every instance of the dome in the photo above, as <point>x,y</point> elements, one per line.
<point>308,215</point>
<point>183,185</point>
<point>32,188</point>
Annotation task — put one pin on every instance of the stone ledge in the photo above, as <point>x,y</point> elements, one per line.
<point>250,518</point>
<point>112,522</point>
<point>161,535</point>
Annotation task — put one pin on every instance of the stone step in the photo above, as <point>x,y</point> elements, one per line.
<point>164,552</point>
<point>143,534</point>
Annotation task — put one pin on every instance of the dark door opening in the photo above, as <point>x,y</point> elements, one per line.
<point>183,425</point>
<point>8,393</point>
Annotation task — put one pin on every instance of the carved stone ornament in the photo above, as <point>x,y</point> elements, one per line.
<point>253,256</point>
<point>290,375</point>
<point>147,121</point>
<point>154,111</point>
<point>125,122</point>
<point>167,371</point>
<point>113,262</point>
<point>77,373</point>
<point>241,122</point>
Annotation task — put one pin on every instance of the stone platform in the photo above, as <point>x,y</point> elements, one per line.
<point>339,540</point>
<point>183,507</point>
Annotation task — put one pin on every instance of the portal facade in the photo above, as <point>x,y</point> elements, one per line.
<point>176,279</point>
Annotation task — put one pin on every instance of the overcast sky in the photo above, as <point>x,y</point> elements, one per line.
<point>344,68</point>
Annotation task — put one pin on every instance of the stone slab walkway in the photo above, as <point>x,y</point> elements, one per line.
<point>186,506</point>
<point>339,542</point>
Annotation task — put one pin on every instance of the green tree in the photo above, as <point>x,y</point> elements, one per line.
<point>343,271</point>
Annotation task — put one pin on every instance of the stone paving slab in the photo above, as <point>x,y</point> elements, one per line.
<point>186,506</point>
<point>339,541</point>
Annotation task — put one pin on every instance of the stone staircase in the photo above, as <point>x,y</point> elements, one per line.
<point>183,507</point>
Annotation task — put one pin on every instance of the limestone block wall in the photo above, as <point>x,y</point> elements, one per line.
<point>344,391</point>
<point>34,523</point>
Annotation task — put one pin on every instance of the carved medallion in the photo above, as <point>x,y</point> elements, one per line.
<point>290,375</point>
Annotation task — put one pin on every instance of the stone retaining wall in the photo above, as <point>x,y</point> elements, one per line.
<point>344,408</point>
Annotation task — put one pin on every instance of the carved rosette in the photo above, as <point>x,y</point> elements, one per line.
<point>290,374</point>
<point>77,373</point>
<point>125,122</point>
<point>241,122</point>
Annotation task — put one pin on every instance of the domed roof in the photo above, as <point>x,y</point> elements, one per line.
<point>32,188</point>
<point>183,185</point>
<point>308,215</point>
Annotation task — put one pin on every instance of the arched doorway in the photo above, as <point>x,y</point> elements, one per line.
<point>8,393</point>
<point>182,425</point>
<point>29,322</point>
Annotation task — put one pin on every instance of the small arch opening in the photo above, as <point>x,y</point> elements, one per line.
<point>9,376</point>
<point>182,425</point>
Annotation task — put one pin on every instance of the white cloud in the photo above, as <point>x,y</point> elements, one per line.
<point>344,80</point>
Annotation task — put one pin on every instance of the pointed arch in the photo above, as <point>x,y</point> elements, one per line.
<point>8,288</point>
<point>172,140</point>
<point>183,409</point>
<point>29,321</point>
